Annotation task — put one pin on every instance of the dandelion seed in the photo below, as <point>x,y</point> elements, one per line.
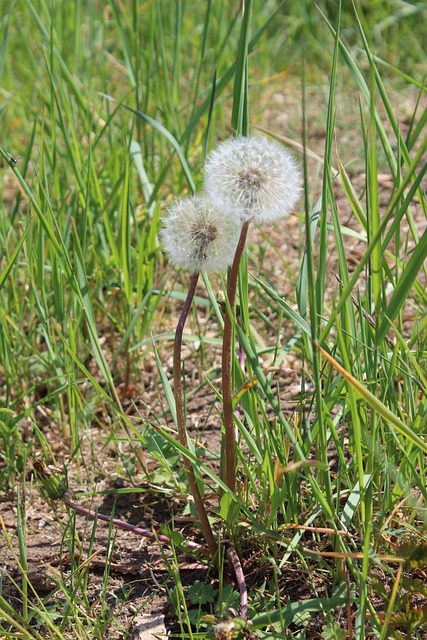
<point>199,236</point>
<point>253,178</point>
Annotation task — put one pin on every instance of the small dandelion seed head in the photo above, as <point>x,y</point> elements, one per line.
<point>253,179</point>
<point>199,236</point>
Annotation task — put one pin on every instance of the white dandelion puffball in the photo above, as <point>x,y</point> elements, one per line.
<point>253,178</point>
<point>199,236</point>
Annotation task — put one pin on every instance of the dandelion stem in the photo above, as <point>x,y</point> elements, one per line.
<point>234,561</point>
<point>67,499</point>
<point>227,393</point>
<point>180,416</point>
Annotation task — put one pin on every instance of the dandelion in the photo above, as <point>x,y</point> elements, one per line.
<point>252,179</point>
<point>255,179</point>
<point>199,236</point>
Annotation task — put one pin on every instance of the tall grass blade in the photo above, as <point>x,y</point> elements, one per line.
<point>403,287</point>
<point>240,112</point>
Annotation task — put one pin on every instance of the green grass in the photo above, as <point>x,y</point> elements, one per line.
<point>111,112</point>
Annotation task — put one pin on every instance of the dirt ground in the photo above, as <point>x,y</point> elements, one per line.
<point>138,581</point>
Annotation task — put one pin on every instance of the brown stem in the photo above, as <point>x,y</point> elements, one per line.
<point>180,416</point>
<point>240,577</point>
<point>120,524</point>
<point>227,393</point>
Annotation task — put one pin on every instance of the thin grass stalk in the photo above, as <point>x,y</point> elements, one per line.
<point>392,600</point>
<point>180,418</point>
<point>360,622</point>
<point>22,541</point>
<point>227,392</point>
<point>373,208</point>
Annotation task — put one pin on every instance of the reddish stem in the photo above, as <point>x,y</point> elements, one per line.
<point>180,417</point>
<point>227,392</point>
<point>234,560</point>
<point>152,535</point>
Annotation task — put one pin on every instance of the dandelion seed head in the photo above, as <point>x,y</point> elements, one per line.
<point>199,236</point>
<point>253,179</point>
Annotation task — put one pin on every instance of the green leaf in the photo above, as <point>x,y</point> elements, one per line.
<point>200,593</point>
